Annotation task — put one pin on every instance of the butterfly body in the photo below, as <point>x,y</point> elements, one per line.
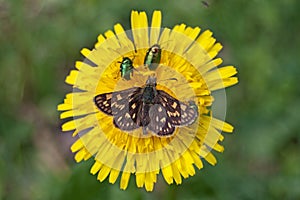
<point>146,107</point>
<point>126,68</point>
<point>149,92</point>
<point>152,57</point>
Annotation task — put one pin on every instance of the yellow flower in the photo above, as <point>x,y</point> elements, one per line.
<point>187,71</point>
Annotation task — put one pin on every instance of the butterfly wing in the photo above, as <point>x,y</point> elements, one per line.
<point>179,113</point>
<point>188,114</point>
<point>117,104</point>
<point>160,122</point>
<point>103,102</point>
<point>139,110</point>
<point>127,110</point>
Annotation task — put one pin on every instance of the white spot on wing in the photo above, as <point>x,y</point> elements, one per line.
<point>119,97</point>
<point>127,115</point>
<point>159,109</point>
<point>174,105</point>
<point>120,118</point>
<point>133,106</point>
<point>183,107</point>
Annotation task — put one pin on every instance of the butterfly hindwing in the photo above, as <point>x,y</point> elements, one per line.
<point>188,114</point>
<point>124,122</point>
<point>160,122</point>
<point>167,130</point>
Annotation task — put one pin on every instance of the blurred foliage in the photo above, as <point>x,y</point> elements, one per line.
<point>40,41</point>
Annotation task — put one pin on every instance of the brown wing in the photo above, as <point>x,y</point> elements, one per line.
<point>117,105</point>
<point>160,122</point>
<point>178,113</point>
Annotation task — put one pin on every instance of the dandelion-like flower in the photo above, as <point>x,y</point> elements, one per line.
<point>142,102</point>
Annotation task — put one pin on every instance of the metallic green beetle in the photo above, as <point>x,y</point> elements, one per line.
<point>126,68</point>
<point>152,57</point>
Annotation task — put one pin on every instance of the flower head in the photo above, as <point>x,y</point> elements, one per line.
<point>142,102</point>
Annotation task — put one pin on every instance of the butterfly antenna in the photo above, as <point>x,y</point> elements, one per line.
<point>169,79</point>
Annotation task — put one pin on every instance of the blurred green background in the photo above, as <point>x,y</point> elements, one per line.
<point>41,40</point>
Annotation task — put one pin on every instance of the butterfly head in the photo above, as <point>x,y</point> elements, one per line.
<point>151,81</point>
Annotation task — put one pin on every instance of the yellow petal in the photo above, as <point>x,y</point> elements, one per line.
<point>79,156</point>
<point>192,32</point>
<point>124,180</point>
<point>103,173</point>
<point>197,160</point>
<point>168,174</point>
<point>77,146</point>
<point>68,126</point>
<point>149,183</point>
<point>118,29</point>
<point>176,174</point>
<point>78,64</point>
<point>224,126</point>
<point>221,73</point>
<point>113,175</point>
<point>64,106</point>
<point>96,167</point>
<point>86,52</point>
<point>211,159</point>
<point>71,79</point>
<point>156,19</point>
<point>216,85</point>
<point>215,50</point>
<point>218,147</point>
<point>140,179</point>
<point>101,40</point>
<point>205,39</point>
<point>155,30</point>
<point>210,65</point>
<point>67,114</point>
<point>139,26</point>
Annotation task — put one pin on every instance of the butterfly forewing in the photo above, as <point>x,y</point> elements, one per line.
<point>171,105</point>
<point>179,113</point>
<point>119,101</point>
<point>135,107</point>
<point>117,104</point>
<point>103,102</point>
